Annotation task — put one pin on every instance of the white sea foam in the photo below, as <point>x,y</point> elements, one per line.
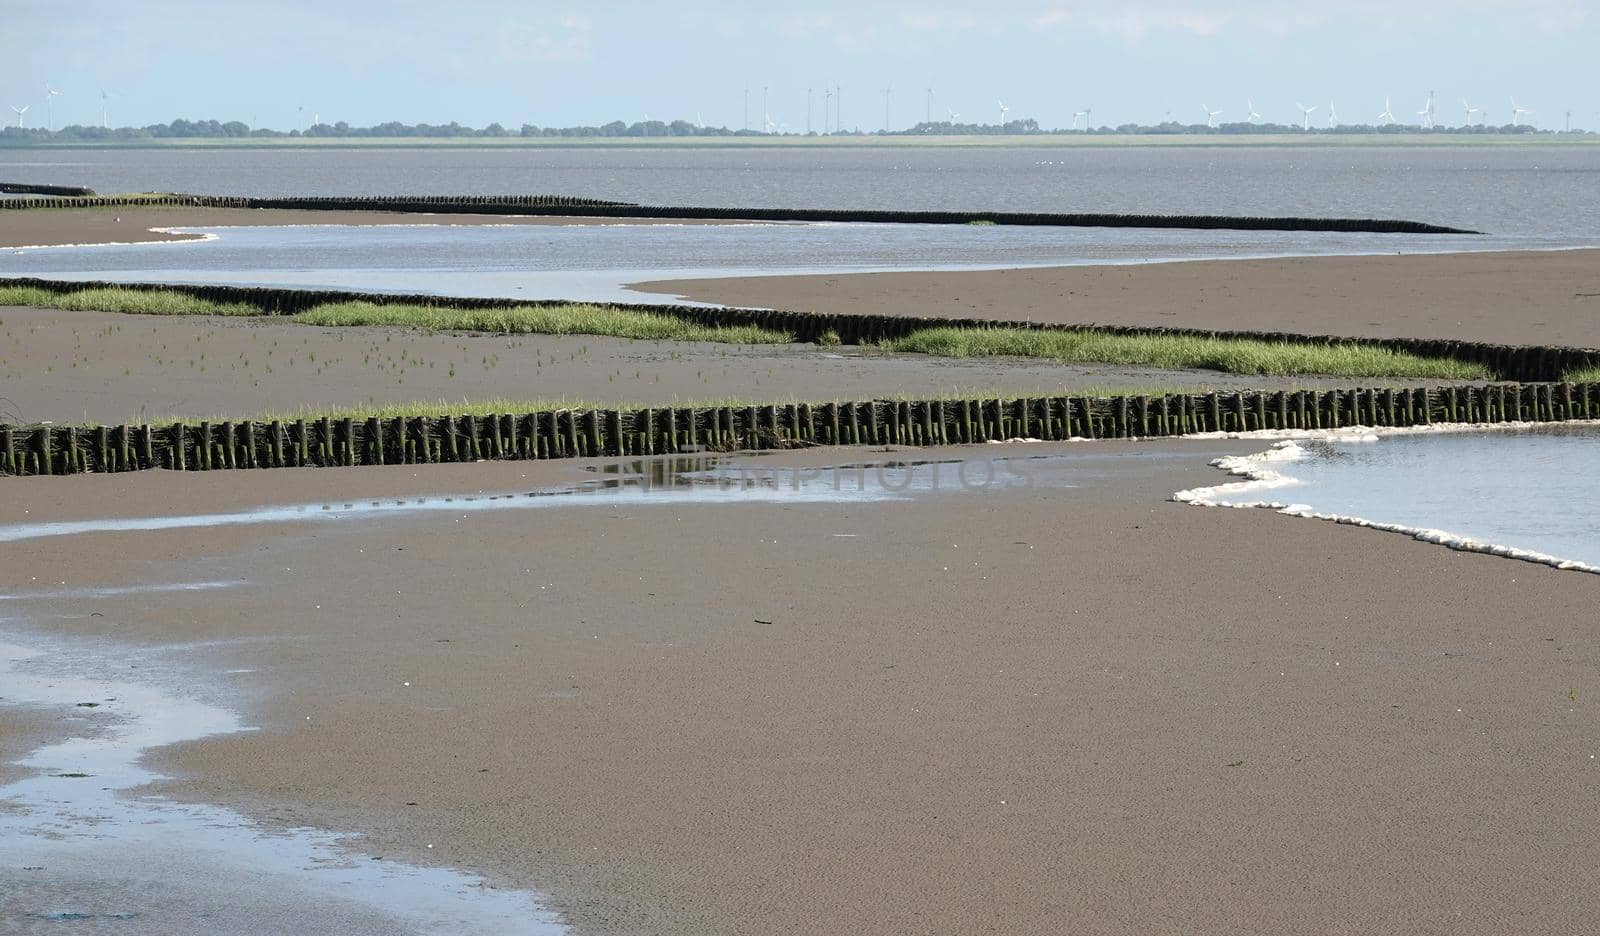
<point>1262,472</point>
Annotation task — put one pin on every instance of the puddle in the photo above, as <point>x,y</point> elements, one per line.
<point>75,846</point>
<point>118,591</point>
<point>698,479</point>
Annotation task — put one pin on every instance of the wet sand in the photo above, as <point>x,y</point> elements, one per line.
<point>1029,710</point>
<point>1513,298</point>
<point>110,368</point>
<point>135,225</point>
<point>1025,710</point>
<point>22,729</point>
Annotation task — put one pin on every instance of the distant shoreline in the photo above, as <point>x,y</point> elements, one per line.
<point>1085,140</point>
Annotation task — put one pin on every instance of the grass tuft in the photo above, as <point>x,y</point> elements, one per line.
<point>134,301</point>
<point>542,320</point>
<point>1583,375</point>
<point>1181,352</point>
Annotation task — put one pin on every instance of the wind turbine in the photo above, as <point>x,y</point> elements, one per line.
<point>1305,116</point>
<point>827,105</point>
<point>1427,113</point>
<point>1517,113</point>
<point>1251,116</point>
<point>954,117</point>
<point>1471,111</point>
<point>1211,116</point>
<point>1333,117</point>
<point>808,112</point>
<point>1004,110</point>
<point>1387,117</point>
<point>20,111</point>
<point>888,92</point>
<point>50,94</point>
<point>766,116</point>
<point>1077,116</point>
<point>928,117</point>
<point>105,109</point>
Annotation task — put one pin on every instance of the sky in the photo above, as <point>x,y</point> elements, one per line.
<point>283,63</point>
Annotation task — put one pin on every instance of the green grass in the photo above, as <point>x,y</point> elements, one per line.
<point>134,301</point>
<point>540,320</point>
<point>572,319</point>
<point>1170,352</point>
<point>1180,352</point>
<point>1583,375</point>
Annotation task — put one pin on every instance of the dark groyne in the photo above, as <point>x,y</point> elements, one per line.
<point>1525,363</point>
<point>589,433</point>
<point>564,206</point>
<point>24,188</point>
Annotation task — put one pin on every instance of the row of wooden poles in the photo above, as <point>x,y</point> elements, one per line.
<point>1528,363</point>
<point>569,433</point>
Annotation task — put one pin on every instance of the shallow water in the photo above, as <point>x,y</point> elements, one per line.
<point>77,846</point>
<point>593,262</point>
<point>1540,190</point>
<point>1528,489</point>
<point>693,479</point>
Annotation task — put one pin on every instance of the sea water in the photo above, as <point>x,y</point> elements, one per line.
<point>1527,492</point>
<point>1542,189</point>
<point>594,262</point>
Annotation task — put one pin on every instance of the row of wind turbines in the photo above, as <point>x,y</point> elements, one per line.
<point>50,95</point>
<point>833,96</point>
<point>1428,116</point>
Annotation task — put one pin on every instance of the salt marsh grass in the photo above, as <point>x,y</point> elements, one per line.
<point>540,320</point>
<point>1165,351</point>
<point>133,301</point>
<point>1184,352</point>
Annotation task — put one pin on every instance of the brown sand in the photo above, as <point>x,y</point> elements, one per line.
<point>1514,298</point>
<point>22,730</point>
<point>1074,710</point>
<point>134,225</point>
<point>1031,711</point>
<point>108,368</point>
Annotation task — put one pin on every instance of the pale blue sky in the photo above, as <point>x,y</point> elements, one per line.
<point>574,63</point>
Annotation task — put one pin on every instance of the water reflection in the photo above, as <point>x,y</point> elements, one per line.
<point>693,479</point>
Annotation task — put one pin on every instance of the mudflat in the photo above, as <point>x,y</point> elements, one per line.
<point>107,367</point>
<point>45,227</point>
<point>1512,298</point>
<point>1014,709</point>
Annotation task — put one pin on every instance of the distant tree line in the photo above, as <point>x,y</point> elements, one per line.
<point>234,129</point>
<point>1173,128</point>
